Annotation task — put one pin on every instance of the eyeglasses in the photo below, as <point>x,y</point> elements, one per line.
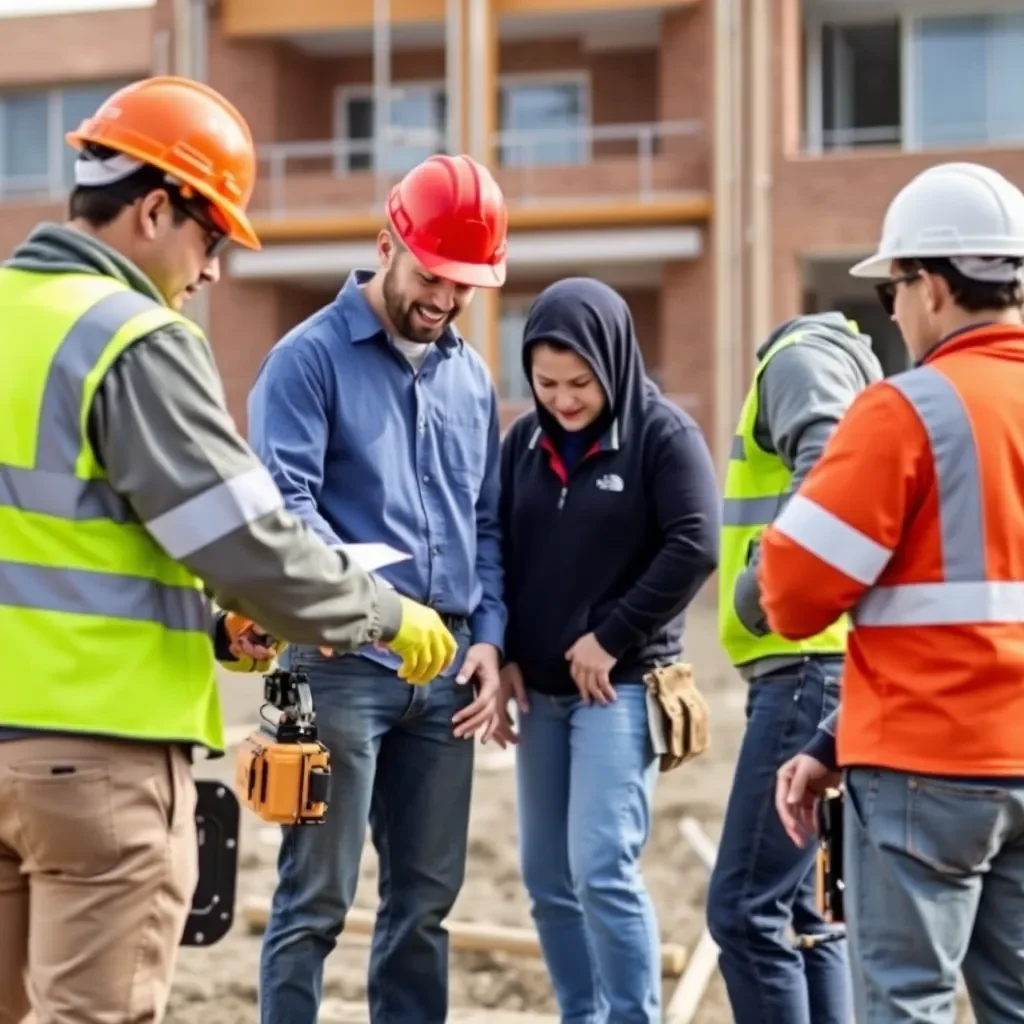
<point>208,218</point>
<point>886,290</point>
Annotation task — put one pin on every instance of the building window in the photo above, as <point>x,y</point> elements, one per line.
<point>24,143</point>
<point>417,119</point>
<point>34,158</point>
<point>540,121</point>
<point>512,385</point>
<point>980,101</point>
<point>543,123</point>
<point>917,82</point>
<point>860,85</point>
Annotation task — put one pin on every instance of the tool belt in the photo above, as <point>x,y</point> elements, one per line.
<point>685,713</point>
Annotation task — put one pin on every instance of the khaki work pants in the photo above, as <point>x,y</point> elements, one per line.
<point>98,867</point>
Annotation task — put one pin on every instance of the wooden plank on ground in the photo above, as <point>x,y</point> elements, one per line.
<point>463,935</point>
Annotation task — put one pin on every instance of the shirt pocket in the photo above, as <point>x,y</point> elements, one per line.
<point>464,445</point>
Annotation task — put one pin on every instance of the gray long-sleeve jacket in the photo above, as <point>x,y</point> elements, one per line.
<point>160,426</point>
<point>803,393</point>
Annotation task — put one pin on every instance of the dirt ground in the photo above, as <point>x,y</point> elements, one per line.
<point>218,985</point>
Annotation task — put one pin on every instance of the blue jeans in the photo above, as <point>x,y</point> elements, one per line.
<point>762,884</point>
<point>934,873</point>
<point>585,777</point>
<point>395,762</point>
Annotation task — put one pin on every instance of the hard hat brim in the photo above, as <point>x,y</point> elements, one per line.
<point>470,275</point>
<point>876,266</point>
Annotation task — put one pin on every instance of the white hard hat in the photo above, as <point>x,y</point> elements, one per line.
<point>951,210</point>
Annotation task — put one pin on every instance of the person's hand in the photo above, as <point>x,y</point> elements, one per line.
<point>423,643</point>
<point>253,649</point>
<point>511,688</point>
<point>800,783</point>
<point>590,665</point>
<point>480,666</point>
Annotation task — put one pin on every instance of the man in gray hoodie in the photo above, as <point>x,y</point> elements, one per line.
<point>808,373</point>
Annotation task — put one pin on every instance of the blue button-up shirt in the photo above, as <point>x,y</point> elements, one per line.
<point>365,449</point>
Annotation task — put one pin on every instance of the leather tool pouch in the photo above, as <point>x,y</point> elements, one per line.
<point>685,712</point>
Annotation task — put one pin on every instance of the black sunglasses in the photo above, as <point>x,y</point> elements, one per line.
<point>200,211</point>
<point>886,290</point>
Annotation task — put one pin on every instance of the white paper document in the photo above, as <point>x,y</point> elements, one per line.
<point>371,557</point>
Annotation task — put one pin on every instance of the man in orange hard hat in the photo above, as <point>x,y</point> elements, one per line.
<point>126,494</point>
<point>379,423</point>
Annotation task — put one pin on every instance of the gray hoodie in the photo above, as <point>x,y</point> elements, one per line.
<point>162,431</point>
<point>803,393</point>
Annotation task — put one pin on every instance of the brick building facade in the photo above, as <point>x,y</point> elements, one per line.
<point>720,163</point>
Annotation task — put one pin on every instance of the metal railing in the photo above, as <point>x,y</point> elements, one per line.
<point>37,187</point>
<point>531,151</point>
<point>305,177</point>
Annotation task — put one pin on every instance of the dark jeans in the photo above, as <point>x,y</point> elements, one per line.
<point>395,763</point>
<point>763,885</point>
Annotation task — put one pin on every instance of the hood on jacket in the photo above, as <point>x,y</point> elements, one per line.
<point>831,326</point>
<point>62,249</point>
<point>595,322</point>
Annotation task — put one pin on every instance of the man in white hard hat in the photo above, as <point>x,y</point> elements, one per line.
<point>913,523</point>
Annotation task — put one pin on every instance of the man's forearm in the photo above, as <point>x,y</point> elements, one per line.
<point>206,498</point>
<point>823,745</point>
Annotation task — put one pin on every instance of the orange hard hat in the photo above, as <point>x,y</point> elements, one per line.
<point>189,131</point>
<point>450,213</point>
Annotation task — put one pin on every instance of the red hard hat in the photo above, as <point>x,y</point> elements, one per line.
<point>450,213</point>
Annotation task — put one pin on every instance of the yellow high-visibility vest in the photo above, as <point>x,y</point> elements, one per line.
<point>103,632</point>
<point>755,484</point>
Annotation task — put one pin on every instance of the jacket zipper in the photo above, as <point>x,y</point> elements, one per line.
<point>562,496</point>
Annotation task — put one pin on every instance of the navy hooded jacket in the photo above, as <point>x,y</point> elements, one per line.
<point>620,544</point>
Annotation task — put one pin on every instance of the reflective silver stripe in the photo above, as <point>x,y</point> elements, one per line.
<point>103,594</point>
<point>61,495</point>
<point>738,450</point>
<point>943,604</point>
<point>749,511</point>
<point>964,596</point>
<point>832,540</point>
<point>215,513</point>
<point>50,487</point>
<point>957,473</point>
<point>60,431</point>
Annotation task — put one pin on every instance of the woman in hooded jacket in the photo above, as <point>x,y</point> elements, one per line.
<point>610,513</point>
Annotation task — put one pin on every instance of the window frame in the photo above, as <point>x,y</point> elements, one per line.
<point>907,13</point>
<point>516,304</point>
<point>344,94</point>
<point>568,76</point>
<point>56,187</point>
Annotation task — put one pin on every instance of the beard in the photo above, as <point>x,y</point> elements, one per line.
<point>403,314</point>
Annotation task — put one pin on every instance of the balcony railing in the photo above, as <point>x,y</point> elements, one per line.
<point>612,163</point>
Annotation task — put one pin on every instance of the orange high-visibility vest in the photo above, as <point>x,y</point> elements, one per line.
<point>913,521</point>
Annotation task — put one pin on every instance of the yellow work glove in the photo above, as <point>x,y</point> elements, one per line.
<point>423,643</point>
<point>253,650</point>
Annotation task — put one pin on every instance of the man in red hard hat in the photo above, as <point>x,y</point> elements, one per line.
<point>380,424</point>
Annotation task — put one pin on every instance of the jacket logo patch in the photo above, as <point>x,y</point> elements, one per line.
<point>610,482</point>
